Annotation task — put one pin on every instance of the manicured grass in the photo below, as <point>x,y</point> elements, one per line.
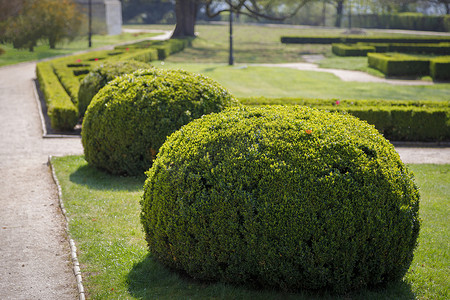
<point>357,63</point>
<point>13,56</point>
<point>247,81</point>
<point>104,222</point>
<point>254,44</point>
<point>429,274</point>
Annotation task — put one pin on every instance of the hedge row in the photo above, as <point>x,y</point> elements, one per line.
<point>68,79</point>
<point>146,55</point>
<point>351,50</point>
<point>60,108</point>
<point>62,77</point>
<point>399,64</point>
<point>163,48</point>
<point>405,65</point>
<point>409,21</point>
<point>361,49</point>
<point>361,39</point>
<point>422,121</point>
<point>440,68</point>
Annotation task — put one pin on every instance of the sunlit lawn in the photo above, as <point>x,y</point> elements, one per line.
<point>246,80</point>
<point>104,221</point>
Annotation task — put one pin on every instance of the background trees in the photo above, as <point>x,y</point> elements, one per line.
<point>26,22</point>
<point>186,11</point>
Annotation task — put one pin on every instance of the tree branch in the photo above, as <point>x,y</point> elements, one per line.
<point>253,10</point>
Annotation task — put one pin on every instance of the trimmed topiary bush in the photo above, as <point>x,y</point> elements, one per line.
<point>286,197</point>
<point>130,118</point>
<point>100,76</point>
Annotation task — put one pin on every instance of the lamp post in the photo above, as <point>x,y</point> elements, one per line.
<point>231,59</point>
<point>90,24</point>
<point>349,15</point>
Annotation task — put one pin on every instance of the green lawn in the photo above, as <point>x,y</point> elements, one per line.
<point>104,222</point>
<point>247,80</point>
<point>13,56</point>
<point>254,44</point>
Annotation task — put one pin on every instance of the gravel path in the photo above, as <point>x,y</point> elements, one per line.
<point>34,252</point>
<point>347,75</point>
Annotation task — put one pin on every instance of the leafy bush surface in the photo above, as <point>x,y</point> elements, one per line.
<point>100,76</point>
<point>130,118</point>
<point>285,197</point>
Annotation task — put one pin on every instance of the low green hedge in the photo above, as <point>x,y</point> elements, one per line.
<point>351,50</point>
<point>399,65</point>
<point>440,68</point>
<point>361,49</point>
<point>145,55</point>
<point>440,49</point>
<point>408,21</point>
<point>68,79</point>
<point>163,48</point>
<point>71,70</point>
<point>423,121</point>
<point>357,39</point>
<point>60,108</point>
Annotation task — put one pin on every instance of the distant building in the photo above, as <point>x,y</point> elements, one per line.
<point>106,15</point>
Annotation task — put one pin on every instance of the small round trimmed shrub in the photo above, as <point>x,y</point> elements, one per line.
<point>130,118</point>
<point>100,76</point>
<point>287,197</point>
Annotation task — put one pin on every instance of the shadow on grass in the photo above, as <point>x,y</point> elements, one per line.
<point>101,180</point>
<point>149,279</point>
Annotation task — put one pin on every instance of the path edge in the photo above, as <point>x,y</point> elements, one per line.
<point>73,248</point>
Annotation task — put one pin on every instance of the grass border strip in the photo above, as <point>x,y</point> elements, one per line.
<point>73,248</point>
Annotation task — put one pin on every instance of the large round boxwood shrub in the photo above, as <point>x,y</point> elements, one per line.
<point>100,76</point>
<point>130,118</point>
<point>288,197</point>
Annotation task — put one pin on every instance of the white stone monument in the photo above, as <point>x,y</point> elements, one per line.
<point>106,15</point>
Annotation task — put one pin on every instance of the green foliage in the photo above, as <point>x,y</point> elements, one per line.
<point>53,20</point>
<point>22,33</point>
<point>441,48</point>
<point>146,55</point>
<point>342,103</point>
<point>420,121</point>
<point>399,64</point>
<point>68,80</point>
<point>287,197</point>
<point>364,39</point>
<point>440,68</point>
<point>163,48</point>
<point>351,50</point>
<point>60,109</point>
<point>100,76</point>
<point>409,21</point>
<point>72,70</point>
<point>130,118</point>
<point>361,49</point>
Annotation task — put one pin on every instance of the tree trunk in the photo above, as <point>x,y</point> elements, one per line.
<point>186,14</point>
<point>339,11</point>
<point>52,42</point>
